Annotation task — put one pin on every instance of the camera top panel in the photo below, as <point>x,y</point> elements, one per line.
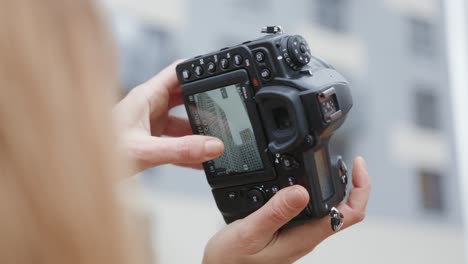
<point>274,55</point>
<point>225,60</point>
<point>261,58</point>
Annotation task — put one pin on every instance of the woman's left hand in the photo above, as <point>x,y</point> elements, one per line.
<point>151,136</point>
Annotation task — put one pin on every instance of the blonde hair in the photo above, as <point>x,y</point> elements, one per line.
<point>57,161</point>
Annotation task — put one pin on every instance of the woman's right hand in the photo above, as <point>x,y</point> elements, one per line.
<point>257,238</point>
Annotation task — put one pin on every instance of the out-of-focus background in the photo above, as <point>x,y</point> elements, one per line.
<point>395,56</point>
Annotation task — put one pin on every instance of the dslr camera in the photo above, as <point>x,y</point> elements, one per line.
<point>275,106</point>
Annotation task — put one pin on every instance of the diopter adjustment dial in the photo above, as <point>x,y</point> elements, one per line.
<point>298,52</point>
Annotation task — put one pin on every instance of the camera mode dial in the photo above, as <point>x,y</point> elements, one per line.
<point>298,52</point>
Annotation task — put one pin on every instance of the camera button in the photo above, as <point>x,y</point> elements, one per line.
<point>303,48</point>
<point>211,67</point>
<point>232,195</point>
<point>265,74</point>
<point>260,56</point>
<point>199,70</point>
<point>289,162</point>
<point>238,60</point>
<point>255,198</point>
<point>224,63</point>
<point>291,181</point>
<point>186,74</point>
<point>274,189</point>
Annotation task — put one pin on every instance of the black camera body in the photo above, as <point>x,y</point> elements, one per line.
<point>275,107</point>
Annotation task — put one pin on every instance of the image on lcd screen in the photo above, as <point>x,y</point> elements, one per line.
<point>222,113</point>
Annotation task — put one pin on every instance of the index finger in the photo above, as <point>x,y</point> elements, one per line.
<point>359,195</point>
<point>166,79</point>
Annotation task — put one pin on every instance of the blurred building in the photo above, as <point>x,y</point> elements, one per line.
<point>393,53</point>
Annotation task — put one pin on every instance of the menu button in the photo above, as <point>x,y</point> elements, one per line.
<point>238,60</point>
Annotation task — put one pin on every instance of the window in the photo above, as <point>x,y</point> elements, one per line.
<point>426,109</point>
<point>331,14</point>
<point>144,49</point>
<point>152,52</point>
<point>431,187</point>
<point>422,39</point>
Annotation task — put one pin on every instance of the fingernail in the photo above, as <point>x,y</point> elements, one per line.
<point>213,147</point>
<point>363,163</point>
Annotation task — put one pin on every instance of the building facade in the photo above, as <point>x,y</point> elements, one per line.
<point>393,53</point>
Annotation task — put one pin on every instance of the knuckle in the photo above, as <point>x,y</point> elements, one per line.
<point>359,216</point>
<point>249,243</point>
<point>138,150</point>
<point>189,149</point>
<point>183,150</point>
<point>368,188</point>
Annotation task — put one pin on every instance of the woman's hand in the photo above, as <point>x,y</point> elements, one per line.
<point>256,239</point>
<point>142,118</point>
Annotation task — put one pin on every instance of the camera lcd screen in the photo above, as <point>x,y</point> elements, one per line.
<point>222,113</point>
<point>323,173</point>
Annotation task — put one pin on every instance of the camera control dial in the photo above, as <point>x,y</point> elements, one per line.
<point>298,52</point>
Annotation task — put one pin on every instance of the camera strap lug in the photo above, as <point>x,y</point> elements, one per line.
<point>336,219</point>
<point>343,171</point>
<point>272,30</point>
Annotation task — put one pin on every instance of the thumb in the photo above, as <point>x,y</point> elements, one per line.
<point>154,151</point>
<point>258,229</point>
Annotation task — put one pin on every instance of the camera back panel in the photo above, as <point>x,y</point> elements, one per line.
<point>275,107</point>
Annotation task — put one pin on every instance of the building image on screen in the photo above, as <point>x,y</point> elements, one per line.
<point>222,114</point>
